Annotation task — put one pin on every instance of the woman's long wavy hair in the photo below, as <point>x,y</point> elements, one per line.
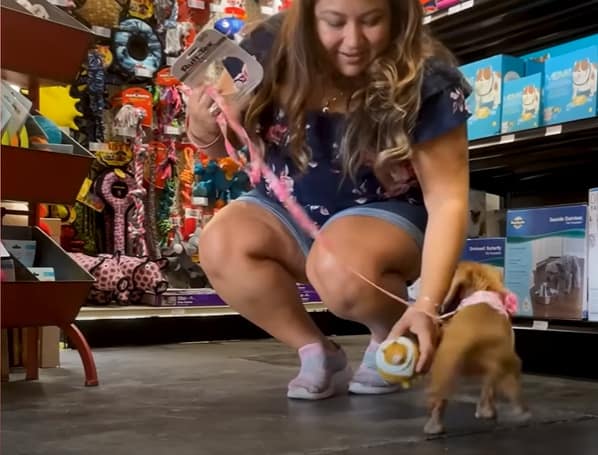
<point>382,114</point>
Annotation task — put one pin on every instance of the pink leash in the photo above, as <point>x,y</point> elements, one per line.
<point>257,168</point>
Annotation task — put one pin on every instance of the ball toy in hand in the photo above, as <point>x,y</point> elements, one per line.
<point>396,360</point>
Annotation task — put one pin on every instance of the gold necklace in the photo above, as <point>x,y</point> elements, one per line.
<point>329,101</point>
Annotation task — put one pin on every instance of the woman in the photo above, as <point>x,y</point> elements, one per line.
<point>363,117</point>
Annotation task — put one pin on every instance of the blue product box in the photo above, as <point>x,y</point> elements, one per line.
<point>545,264</point>
<point>486,250</point>
<point>570,85</point>
<point>487,77</point>
<point>522,104</point>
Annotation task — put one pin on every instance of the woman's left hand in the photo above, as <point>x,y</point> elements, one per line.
<point>425,328</point>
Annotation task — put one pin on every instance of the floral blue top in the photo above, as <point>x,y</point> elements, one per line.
<point>321,189</point>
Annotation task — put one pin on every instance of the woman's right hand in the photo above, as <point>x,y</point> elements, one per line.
<point>201,123</point>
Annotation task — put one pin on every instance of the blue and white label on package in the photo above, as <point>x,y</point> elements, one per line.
<point>486,250</point>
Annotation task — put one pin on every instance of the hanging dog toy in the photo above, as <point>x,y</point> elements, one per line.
<point>137,232</point>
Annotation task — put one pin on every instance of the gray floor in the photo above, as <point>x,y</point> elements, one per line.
<point>229,399</point>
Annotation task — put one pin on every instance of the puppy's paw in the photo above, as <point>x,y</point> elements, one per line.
<point>433,427</point>
<point>485,411</point>
<point>520,415</point>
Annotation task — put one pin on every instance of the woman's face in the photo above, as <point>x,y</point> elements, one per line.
<point>353,32</point>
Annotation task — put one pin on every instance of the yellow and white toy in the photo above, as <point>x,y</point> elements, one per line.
<point>396,361</point>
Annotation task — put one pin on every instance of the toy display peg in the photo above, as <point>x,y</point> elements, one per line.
<point>396,360</point>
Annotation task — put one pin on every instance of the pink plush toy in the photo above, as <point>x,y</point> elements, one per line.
<point>110,279</point>
<point>144,275</point>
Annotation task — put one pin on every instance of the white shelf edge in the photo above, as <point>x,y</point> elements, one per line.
<point>139,312</point>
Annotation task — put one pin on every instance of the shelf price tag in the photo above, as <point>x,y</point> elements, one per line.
<point>216,8</point>
<point>540,325</point>
<point>466,5</point>
<point>173,130</point>
<point>143,72</point>
<point>101,31</point>
<point>267,10</point>
<point>196,4</point>
<point>454,9</point>
<point>553,130</point>
<point>507,138</point>
<point>98,146</point>
<point>178,312</point>
<point>427,19</point>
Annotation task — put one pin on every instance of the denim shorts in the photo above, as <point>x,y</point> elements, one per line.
<point>410,218</point>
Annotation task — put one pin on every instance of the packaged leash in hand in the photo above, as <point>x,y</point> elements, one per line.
<point>212,57</point>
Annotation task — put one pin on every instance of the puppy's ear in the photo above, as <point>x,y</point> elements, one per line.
<point>457,290</point>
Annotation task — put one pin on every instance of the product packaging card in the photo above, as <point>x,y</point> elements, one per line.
<point>211,58</point>
<point>546,261</point>
<point>43,273</point>
<point>22,250</point>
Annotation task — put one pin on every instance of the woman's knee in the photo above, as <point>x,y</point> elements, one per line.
<point>238,236</point>
<point>343,292</point>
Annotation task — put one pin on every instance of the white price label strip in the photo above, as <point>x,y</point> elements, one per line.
<point>196,4</point>
<point>454,9</point>
<point>178,312</point>
<point>98,146</point>
<point>216,8</point>
<point>427,19</point>
<point>507,138</point>
<point>466,5</point>
<point>143,72</point>
<point>540,325</point>
<point>101,31</point>
<point>552,130</point>
<point>267,10</point>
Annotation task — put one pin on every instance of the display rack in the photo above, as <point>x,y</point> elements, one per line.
<point>37,52</point>
<point>477,29</point>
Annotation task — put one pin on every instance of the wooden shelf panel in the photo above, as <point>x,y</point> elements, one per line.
<point>39,49</point>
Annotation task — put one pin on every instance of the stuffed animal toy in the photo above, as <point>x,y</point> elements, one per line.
<point>144,275</point>
<point>110,279</point>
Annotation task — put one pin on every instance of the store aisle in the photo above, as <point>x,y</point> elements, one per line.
<point>228,399</point>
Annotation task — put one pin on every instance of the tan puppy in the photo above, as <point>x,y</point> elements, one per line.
<point>478,340</point>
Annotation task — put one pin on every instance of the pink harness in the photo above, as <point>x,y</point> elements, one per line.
<point>507,306</point>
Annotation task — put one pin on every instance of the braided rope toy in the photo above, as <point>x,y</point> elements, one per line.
<point>137,231</point>
<point>152,231</point>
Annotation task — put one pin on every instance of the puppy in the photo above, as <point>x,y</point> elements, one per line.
<point>477,340</point>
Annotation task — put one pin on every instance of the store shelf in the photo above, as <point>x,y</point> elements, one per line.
<point>482,28</point>
<point>40,176</point>
<point>535,160</point>
<point>137,312</point>
<point>40,50</point>
<point>32,303</point>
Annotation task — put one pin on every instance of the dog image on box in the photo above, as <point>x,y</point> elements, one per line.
<point>477,341</point>
<point>585,80</point>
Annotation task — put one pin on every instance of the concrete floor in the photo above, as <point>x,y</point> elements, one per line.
<point>229,399</point>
